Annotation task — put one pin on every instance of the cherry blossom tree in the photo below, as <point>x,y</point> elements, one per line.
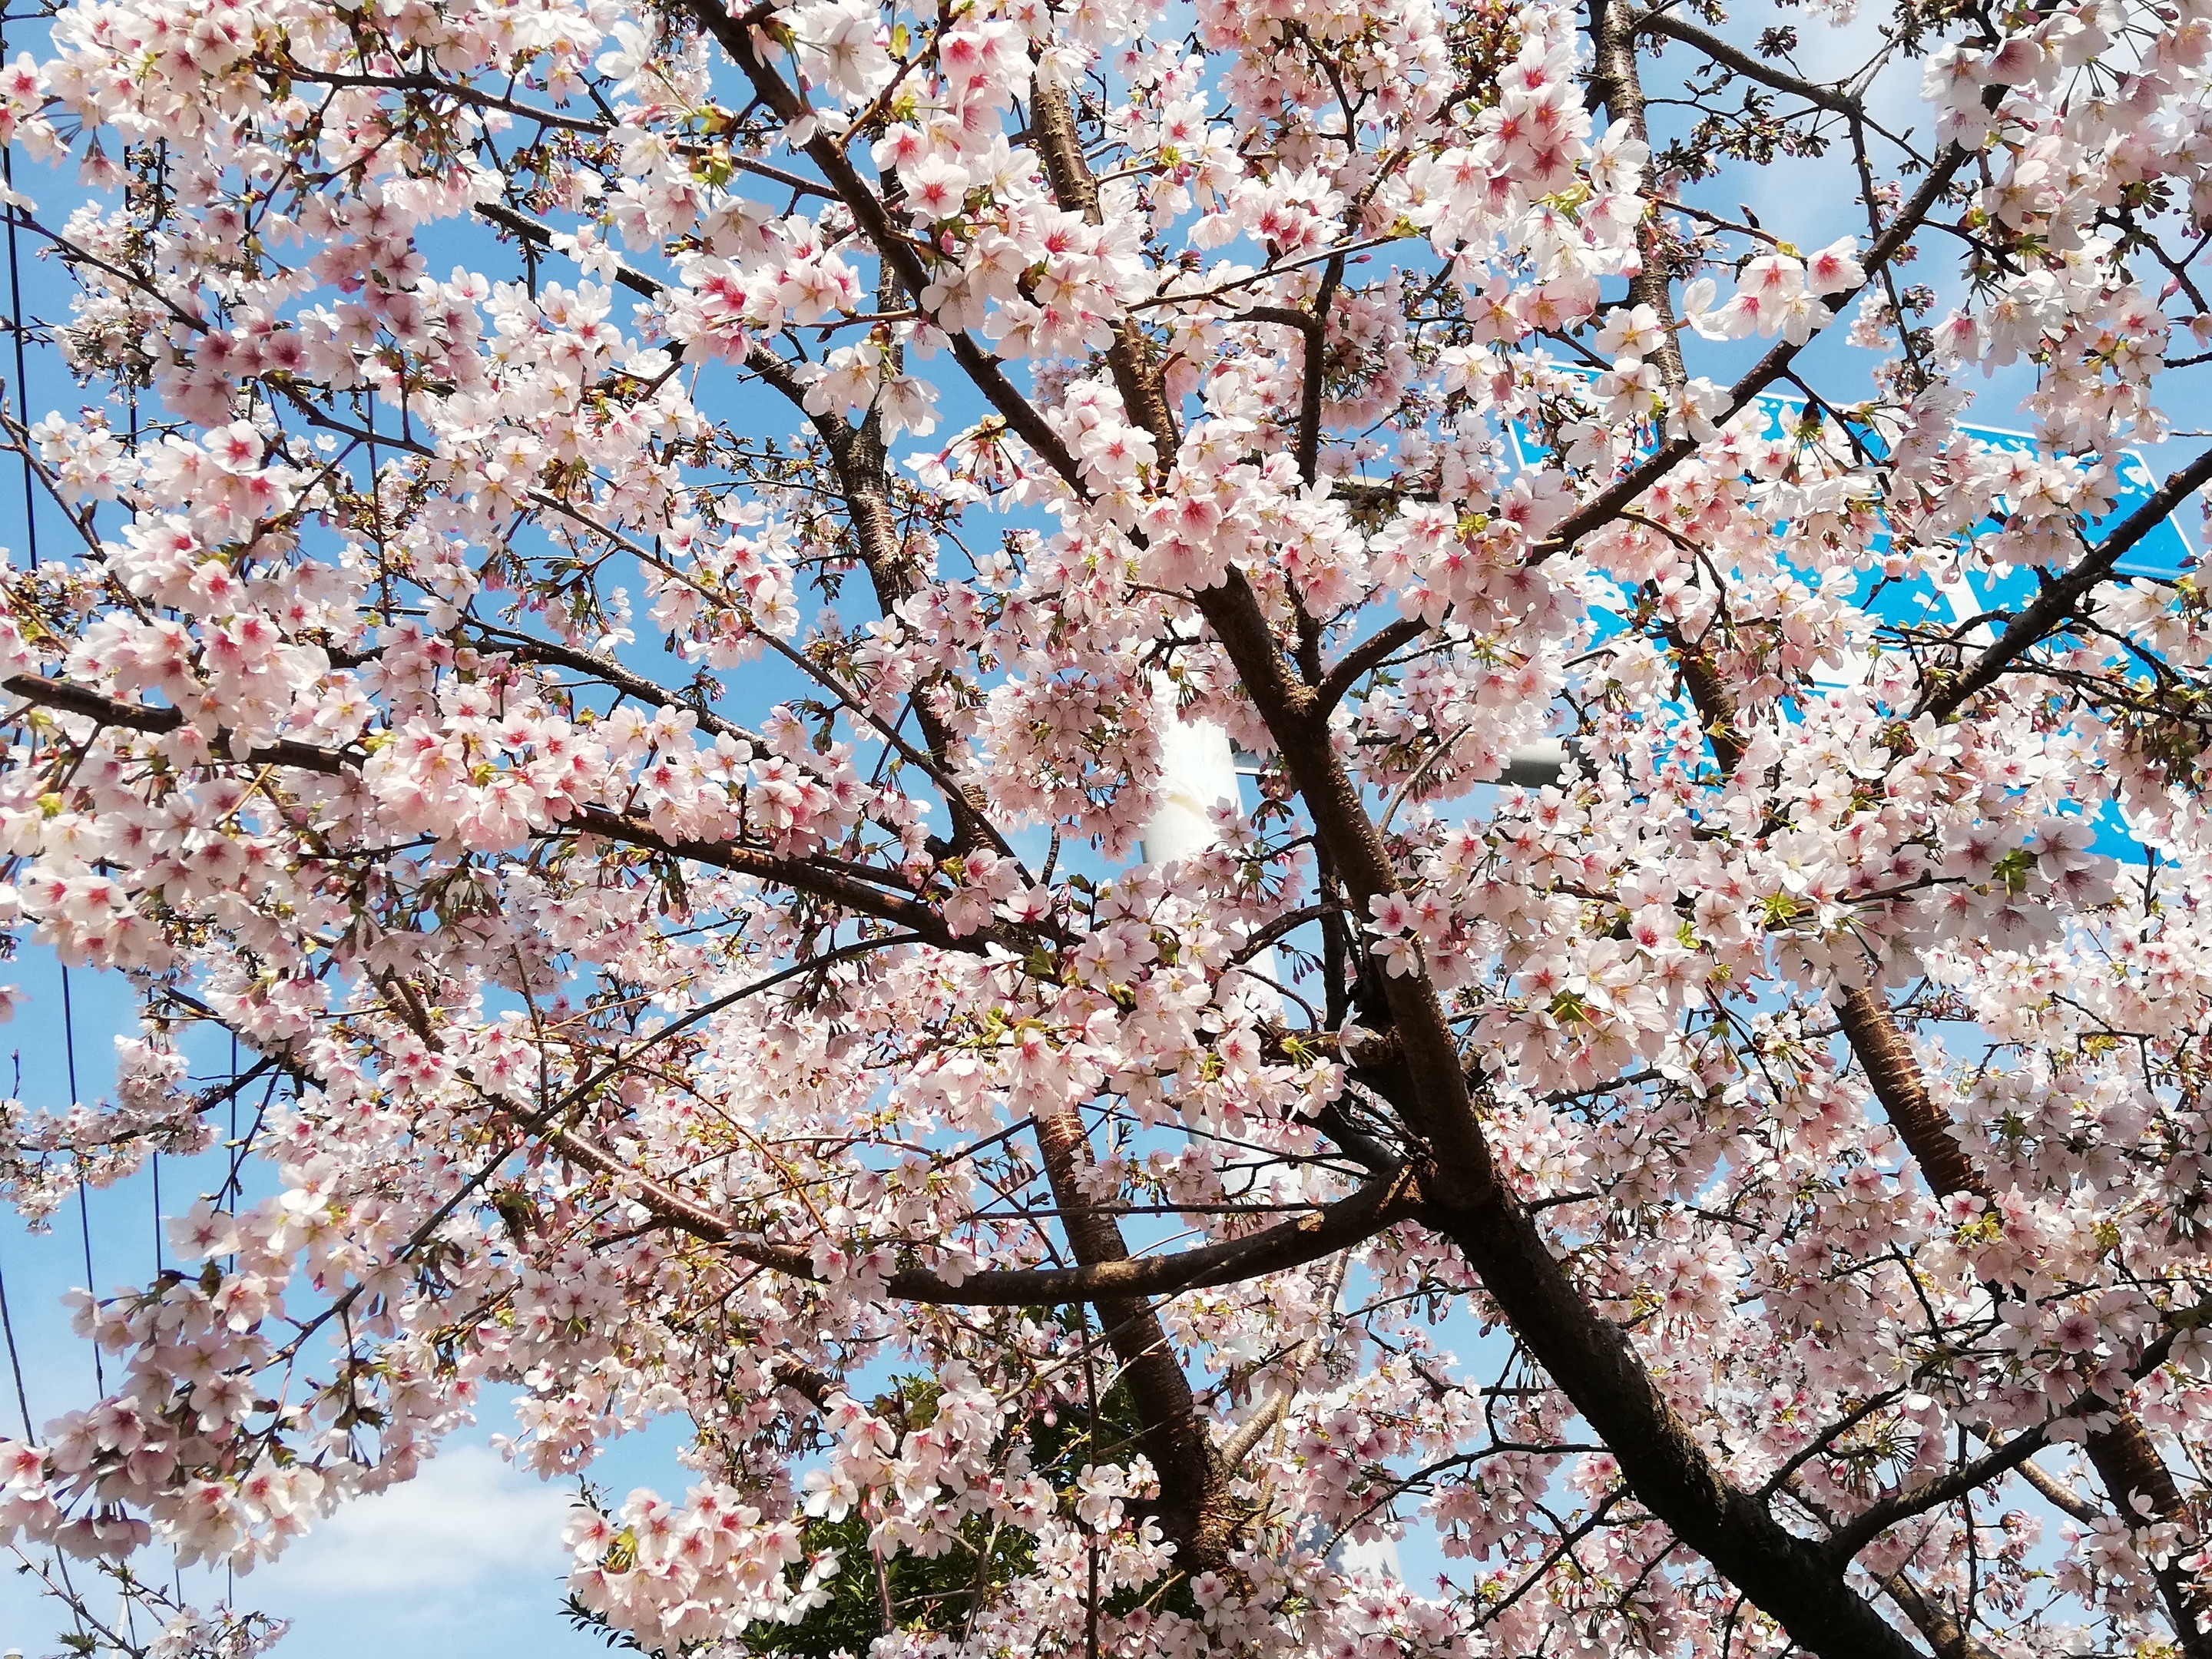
<point>636,566</point>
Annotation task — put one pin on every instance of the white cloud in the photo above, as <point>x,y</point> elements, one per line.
<point>468,1516</point>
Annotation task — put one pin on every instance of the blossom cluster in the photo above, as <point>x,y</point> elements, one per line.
<point>683,860</point>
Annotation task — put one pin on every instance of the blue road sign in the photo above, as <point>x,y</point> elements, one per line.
<point>2165,552</point>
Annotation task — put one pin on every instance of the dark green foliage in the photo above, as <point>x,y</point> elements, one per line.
<point>938,1595</point>
<point>940,1592</point>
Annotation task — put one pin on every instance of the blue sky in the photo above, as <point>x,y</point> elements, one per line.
<point>466,1560</point>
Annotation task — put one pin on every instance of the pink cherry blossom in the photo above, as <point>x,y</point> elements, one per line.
<point>1454,873</point>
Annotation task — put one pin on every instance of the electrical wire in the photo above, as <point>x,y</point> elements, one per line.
<point>14,1357</point>
<point>17,327</point>
<point>84,1192</point>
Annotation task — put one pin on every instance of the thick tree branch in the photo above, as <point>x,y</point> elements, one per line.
<point>2054,605</point>
<point>1194,1485</point>
<point>2123,1454</point>
<point>1881,1047</point>
<point>1339,1225</point>
<point>1950,1639</point>
<point>1363,659</point>
<point>1869,1523</point>
<point>1618,84</point>
<point>1051,123</point>
<point>735,35</point>
<point>1589,1356</point>
<point>1670,22</point>
<point>1604,507</point>
<point>817,879</point>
